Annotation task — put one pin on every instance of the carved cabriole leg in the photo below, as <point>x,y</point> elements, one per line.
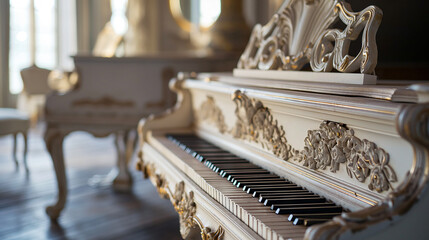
<point>413,125</point>
<point>54,143</point>
<point>123,181</point>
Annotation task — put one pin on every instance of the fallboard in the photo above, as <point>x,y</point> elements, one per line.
<point>346,149</point>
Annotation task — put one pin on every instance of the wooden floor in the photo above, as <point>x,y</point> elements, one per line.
<point>91,213</point>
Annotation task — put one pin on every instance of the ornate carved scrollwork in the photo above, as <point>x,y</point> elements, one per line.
<point>328,147</point>
<point>413,125</point>
<point>325,56</point>
<point>334,144</point>
<point>207,233</point>
<point>185,205</point>
<point>299,33</point>
<point>211,113</point>
<point>256,123</point>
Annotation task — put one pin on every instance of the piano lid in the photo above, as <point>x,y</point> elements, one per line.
<point>391,90</point>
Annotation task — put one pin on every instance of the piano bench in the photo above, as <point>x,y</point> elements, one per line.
<point>13,122</point>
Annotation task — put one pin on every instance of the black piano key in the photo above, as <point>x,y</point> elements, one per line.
<point>221,170</point>
<point>223,158</point>
<point>235,173</point>
<point>233,165</point>
<point>278,192</point>
<point>209,155</point>
<point>210,163</point>
<point>266,186</point>
<point>253,177</point>
<point>292,205</point>
<point>321,209</point>
<point>294,199</point>
<point>292,216</point>
<point>267,189</point>
<point>288,194</point>
<point>259,182</point>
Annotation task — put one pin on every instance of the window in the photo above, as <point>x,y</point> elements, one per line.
<point>33,34</point>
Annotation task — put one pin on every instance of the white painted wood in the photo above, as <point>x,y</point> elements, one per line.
<point>303,76</point>
<point>396,91</point>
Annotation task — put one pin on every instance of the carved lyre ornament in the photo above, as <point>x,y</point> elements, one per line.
<point>302,32</point>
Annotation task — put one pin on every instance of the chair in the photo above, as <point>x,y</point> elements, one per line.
<point>32,99</point>
<point>13,122</point>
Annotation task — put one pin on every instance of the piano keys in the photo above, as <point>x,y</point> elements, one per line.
<point>294,199</point>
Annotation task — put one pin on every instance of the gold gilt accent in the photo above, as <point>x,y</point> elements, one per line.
<point>211,113</point>
<point>301,32</point>
<point>255,123</point>
<point>148,171</point>
<point>207,233</point>
<point>105,101</point>
<point>334,144</point>
<point>412,123</point>
<point>329,147</point>
<point>183,203</point>
<point>331,48</point>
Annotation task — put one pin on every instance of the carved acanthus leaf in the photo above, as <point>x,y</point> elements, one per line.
<point>255,123</point>
<point>211,113</point>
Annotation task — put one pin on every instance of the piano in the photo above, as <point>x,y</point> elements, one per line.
<point>110,97</point>
<point>275,151</point>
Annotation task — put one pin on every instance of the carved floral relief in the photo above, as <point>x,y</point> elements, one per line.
<point>328,148</point>
<point>255,123</point>
<point>211,113</point>
<point>334,144</point>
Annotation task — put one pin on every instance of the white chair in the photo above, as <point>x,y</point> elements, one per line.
<point>32,99</point>
<point>13,122</point>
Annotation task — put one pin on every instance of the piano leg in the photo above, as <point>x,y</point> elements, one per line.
<point>119,177</point>
<point>54,143</point>
<point>124,142</point>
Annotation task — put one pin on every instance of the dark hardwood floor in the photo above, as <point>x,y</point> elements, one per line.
<point>90,213</point>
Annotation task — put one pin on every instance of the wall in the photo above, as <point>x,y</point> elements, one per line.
<point>4,51</point>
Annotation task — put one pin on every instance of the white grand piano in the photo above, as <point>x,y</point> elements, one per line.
<point>110,97</point>
<point>270,153</point>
